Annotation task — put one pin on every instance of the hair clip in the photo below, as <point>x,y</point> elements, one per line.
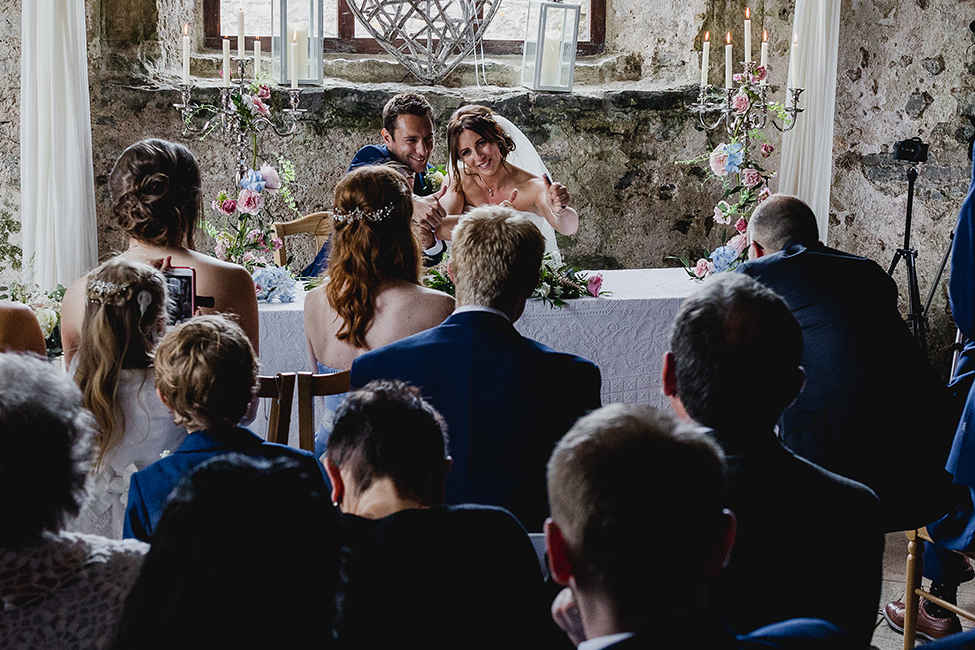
<point>104,292</point>
<point>359,213</point>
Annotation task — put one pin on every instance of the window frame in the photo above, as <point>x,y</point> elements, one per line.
<point>348,43</point>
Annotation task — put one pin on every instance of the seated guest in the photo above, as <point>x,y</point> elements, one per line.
<point>733,366</point>
<point>60,590</point>
<point>506,399</point>
<point>413,570</point>
<point>206,373</point>
<point>240,535</point>
<point>125,315</point>
<point>19,329</point>
<point>373,296</point>
<point>638,524</point>
<point>870,393</point>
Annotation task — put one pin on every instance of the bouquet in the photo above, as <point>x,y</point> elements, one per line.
<point>46,306</point>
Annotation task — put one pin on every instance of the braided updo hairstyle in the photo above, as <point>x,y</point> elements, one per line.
<point>156,188</point>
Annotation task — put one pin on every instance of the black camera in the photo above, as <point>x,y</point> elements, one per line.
<point>913,150</point>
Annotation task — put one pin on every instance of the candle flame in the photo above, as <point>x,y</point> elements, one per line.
<point>747,13</point>
<point>765,35</point>
<point>295,39</point>
<point>707,36</point>
<point>729,38</point>
<point>186,29</point>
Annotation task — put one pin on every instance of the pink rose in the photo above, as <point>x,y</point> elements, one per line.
<point>277,244</point>
<point>767,150</point>
<point>261,107</point>
<point>741,225</point>
<point>722,213</point>
<point>264,92</point>
<point>751,177</point>
<point>703,268</point>
<point>739,243</point>
<point>220,250</point>
<point>250,202</point>
<point>227,207</point>
<point>740,103</point>
<point>272,182</point>
<point>738,77</point>
<point>718,161</point>
<point>761,73</point>
<point>594,284</point>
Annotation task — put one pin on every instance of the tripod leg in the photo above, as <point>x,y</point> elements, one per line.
<point>916,316</point>
<point>893,262</point>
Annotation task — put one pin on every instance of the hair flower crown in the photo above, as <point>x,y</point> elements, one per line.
<point>365,215</point>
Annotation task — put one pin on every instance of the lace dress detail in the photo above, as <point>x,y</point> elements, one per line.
<point>65,591</point>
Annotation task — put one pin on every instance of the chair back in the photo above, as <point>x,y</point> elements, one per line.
<point>280,389</point>
<point>318,224</point>
<point>310,386</point>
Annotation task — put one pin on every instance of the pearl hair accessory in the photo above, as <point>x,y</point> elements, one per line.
<point>359,213</point>
<point>104,292</point>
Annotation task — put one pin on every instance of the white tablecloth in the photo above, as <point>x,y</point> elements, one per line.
<point>625,334</point>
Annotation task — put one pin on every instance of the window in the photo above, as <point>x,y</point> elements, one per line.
<point>344,33</point>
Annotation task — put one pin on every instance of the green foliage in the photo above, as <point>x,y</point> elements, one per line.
<point>11,255</point>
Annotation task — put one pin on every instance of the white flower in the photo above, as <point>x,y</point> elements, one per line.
<point>48,320</point>
<point>544,289</point>
<point>164,453</point>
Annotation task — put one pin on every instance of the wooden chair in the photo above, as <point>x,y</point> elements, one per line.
<point>318,224</point>
<point>310,386</point>
<point>280,389</point>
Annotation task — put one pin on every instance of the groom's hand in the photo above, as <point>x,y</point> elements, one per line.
<point>427,211</point>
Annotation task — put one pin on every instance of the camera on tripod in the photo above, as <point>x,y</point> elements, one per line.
<point>912,151</point>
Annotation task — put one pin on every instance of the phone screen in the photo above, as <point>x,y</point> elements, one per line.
<point>181,293</point>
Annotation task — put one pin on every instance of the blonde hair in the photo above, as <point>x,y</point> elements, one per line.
<point>125,312</point>
<point>206,371</point>
<point>496,257</point>
<point>372,243</point>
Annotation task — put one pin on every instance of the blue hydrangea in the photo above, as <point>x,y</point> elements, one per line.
<point>253,181</point>
<point>736,155</point>
<point>723,257</point>
<point>274,282</point>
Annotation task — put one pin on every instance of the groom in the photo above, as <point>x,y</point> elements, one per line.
<point>407,143</point>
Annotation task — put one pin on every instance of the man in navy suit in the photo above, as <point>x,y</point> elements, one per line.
<point>506,399</point>
<point>205,373</point>
<point>871,408</point>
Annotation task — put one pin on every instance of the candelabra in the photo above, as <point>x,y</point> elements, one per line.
<point>229,117</point>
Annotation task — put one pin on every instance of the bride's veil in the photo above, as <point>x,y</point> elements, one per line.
<point>525,156</point>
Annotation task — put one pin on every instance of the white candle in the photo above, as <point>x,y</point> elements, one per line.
<point>764,59</point>
<point>794,80</point>
<point>748,36</point>
<point>294,61</point>
<point>550,58</point>
<point>257,58</point>
<point>727,63</point>
<point>301,37</point>
<point>705,58</point>
<point>241,48</point>
<point>186,55</point>
<point>226,62</point>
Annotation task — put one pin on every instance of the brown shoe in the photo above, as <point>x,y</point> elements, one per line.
<point>928,627</point>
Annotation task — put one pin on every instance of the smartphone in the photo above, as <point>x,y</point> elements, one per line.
<point>181,281</point>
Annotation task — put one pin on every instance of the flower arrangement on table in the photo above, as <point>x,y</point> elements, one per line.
<point>735,164</point>
<point>556,284</point>
<point>46,306</point>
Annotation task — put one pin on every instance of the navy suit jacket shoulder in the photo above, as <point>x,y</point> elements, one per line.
<point>150,487</point>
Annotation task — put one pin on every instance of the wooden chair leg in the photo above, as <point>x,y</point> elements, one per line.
<point>915,565</point>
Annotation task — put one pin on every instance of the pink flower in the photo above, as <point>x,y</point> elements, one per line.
<point>594,284</point>
<point>272,182</point>
<point>740,103</point>
<point>227,207</point>
<point>751,177</point>
<point>277,244</point>
<point>264,92</point>
<point>255,235</point>
<point>220,250</point>
<point>761,73</point>
<point>704,268</point>
<point>250,202</point>
<point>722,212</point>
<point>719,158</point>
<point>741,225</point>
<point>261,107</point>
<point>763,194</point>
<point>738,77</point>
<point>248,256</point>
<point>767,150</point>
<point>739,242</point>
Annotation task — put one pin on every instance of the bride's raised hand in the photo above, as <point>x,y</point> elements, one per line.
<point>510,201</point>
<point>558,195</point>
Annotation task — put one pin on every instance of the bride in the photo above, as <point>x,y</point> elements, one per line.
<point>493,163</point>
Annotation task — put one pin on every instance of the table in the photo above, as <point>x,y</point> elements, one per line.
<point>625,334</point>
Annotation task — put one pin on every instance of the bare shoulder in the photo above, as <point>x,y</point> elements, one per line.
<point>403,309</point>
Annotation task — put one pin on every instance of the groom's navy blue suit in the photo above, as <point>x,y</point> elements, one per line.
<point>506,399</point>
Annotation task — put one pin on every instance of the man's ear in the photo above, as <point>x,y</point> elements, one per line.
<point>669,375</point>
<point>559,557</point>
<point>335,476</point>
<point>755,251</point>
<point>387,137</point>
<point>723,544</point>
<point>450,272</point>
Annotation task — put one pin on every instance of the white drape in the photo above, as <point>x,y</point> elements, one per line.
<point>807,150</point>
<point>57,181</point>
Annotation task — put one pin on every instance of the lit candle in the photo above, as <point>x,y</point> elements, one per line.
<point>226,62</point>
<point>186,54</point>
<point>240,34</point>
<point>705,58</point>
<point>727,63</point>
<point>301,32</point>
<point>294,61</point>
<point>764,59</point>
<point>748,36</point>
<point>257,57</point>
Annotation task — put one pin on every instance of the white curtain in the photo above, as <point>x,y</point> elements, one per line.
<point>807,150</point>
<point>57,182</point>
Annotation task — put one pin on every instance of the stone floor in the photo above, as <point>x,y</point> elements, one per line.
<point>895,557</point>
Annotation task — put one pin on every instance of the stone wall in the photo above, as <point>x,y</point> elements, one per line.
<point>9,116</point>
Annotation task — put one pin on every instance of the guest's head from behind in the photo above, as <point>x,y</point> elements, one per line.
<point>237,531</point>
<point>780,220</point>
<point>387,451</point>
<point>372,244</point>
<point>45,448</point>
<point>496,259</point>
<point>472,129</point>
<point>125,315</point>
<point>733,331</point>
<point>408,130</point>
<point>619,481</point>
<point>206,373</point>
<point>156,192</point>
